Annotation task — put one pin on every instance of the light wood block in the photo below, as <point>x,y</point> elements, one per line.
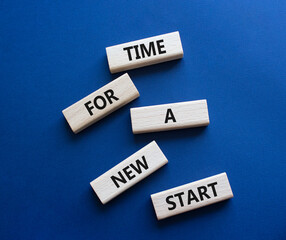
<point>100,103</point>
<point>191,196</point>
<point>169,116</point>
<point>129,172</point>
<point>144,52</point>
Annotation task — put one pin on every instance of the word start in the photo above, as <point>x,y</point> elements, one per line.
<point>186,198</point>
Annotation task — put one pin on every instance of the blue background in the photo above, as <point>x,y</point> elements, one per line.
<point>53,54</point>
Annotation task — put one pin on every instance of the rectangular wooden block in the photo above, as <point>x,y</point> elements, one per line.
<point>100,103</point>
<point>191,196</point>
<point>169,116</point>
<point>144,52</point>
<point>128,172</point>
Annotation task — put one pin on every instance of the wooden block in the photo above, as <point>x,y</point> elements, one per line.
<point>100,103</point>
<point>169,116</point>
<point>144,52</point>
<point>129,172</point>
<point>191,196</point>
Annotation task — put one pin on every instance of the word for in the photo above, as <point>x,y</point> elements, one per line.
<point>100,103</point>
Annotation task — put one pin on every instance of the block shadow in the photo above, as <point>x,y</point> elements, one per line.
<point>191,215</point>
<point>170,135</point>
<point>151,70</point>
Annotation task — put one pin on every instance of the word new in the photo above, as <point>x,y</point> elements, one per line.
<point>127,171</point>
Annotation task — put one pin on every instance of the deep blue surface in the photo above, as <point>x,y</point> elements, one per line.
<point>52,53</point>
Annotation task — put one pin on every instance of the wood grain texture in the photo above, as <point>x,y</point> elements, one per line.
<point>100,103</point>
<point>191,196</point>
<point>129,172</point>
<point>144,52</point>
<point>169,116</point>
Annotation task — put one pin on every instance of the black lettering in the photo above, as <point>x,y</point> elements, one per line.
<point>129,52</point>
<point>170,116</point>
<point>103,101</point>
<point>89,107</point>
<point>202,192</point>
<point>170,202</point>
<point>137,52</point>
<point>115,179</point>
<point>109,94</point>
<point>179,195</point>
<point>149,51</point>
<point>160,47</point>
<point>212,185</point>
<point>139,163</point>
<point>192,196</point>
<point>128,173</point>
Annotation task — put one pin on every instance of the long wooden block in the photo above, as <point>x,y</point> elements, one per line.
<point>191,196</point>
<point>100,103</point>
<point>144,52</point>
<point>169,116</point>
<point>128,172</point>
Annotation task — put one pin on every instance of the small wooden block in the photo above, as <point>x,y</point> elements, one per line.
<point>129,172</point>
<point>169,116</point>
<point>191,196</point>
<point>100,103</point>
<point>144,52</point>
